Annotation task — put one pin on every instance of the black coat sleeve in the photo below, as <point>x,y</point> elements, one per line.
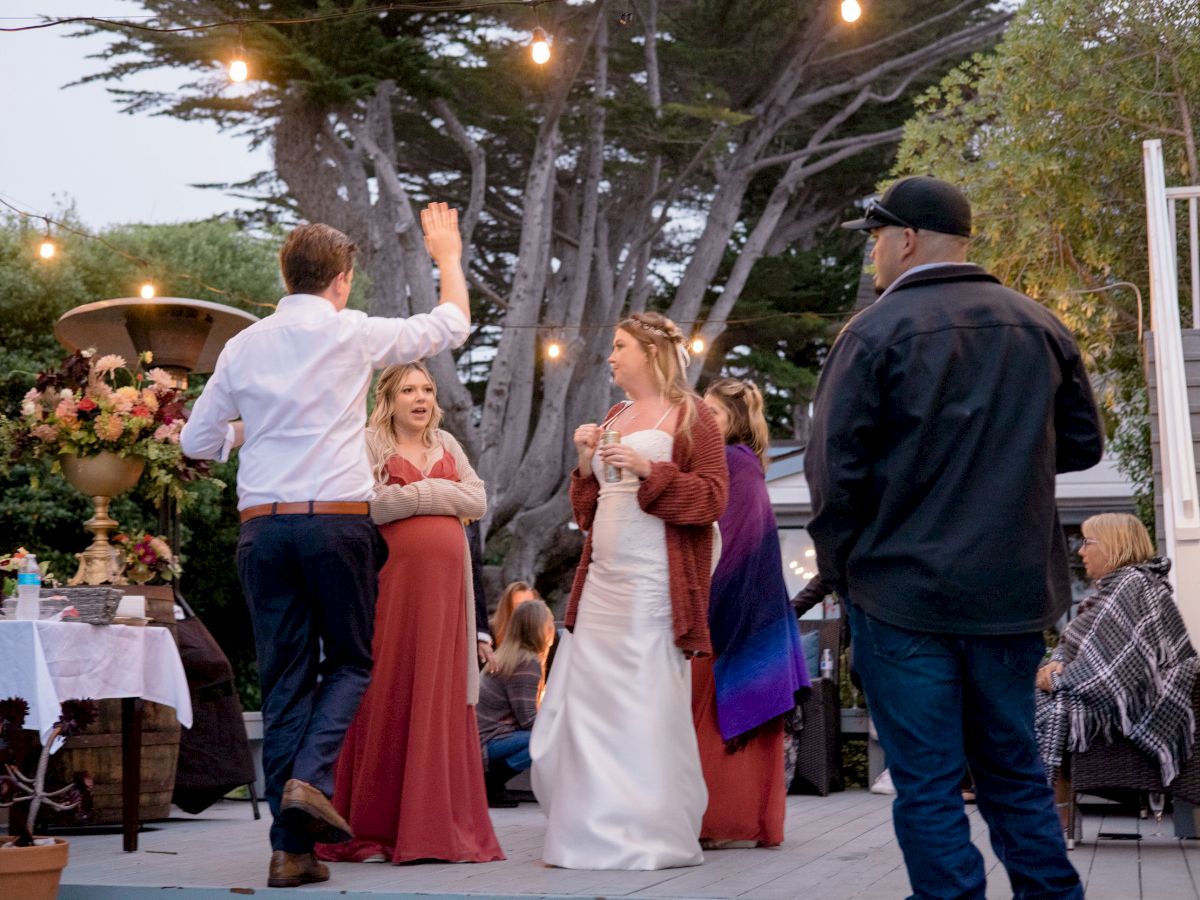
<point>840,458</point>
<point>810,595</point>
<point>1080,433</point>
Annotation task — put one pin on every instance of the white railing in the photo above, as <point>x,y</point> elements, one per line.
<point>1180,493</point>
<point>1192,196</point>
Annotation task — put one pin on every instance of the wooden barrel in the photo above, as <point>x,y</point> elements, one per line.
<point>98,750</point>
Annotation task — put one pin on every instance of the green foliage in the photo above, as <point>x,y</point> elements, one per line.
<point>1045,137</point>
<point>785,323</point>
<point>38,509</point>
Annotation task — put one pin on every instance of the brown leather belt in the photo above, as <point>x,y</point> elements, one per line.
<point>307,508</point>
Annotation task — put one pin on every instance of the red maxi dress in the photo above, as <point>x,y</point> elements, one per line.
<point>409,779</point>
<point>747,794</point>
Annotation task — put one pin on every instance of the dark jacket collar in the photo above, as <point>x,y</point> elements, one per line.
<point>942,274</point>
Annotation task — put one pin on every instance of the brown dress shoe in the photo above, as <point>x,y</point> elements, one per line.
<point>306,809</point>
<point>294,869</point>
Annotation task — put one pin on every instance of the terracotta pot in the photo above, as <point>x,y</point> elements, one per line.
<point>103,475</point>
<point>31,873</point>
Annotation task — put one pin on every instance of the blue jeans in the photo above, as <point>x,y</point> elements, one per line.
<point>511,750</point>
<point>942,703</point>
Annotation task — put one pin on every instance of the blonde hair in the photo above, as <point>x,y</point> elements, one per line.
<point>1122,537</point>
<point>743,405</point>
<point>529,637</point>
<point>505,608</point>
<point>381,434</point>
<point>668,362</point>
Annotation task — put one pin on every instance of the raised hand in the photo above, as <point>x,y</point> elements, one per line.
<point>442,239</point>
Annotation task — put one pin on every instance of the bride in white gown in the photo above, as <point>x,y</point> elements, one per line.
<point>616,766</point>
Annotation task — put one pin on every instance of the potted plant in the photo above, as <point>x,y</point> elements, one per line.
<point>31,867</point>
<point>94,405</point>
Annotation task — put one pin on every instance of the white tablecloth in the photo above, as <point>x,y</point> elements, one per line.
<point>48,662</point>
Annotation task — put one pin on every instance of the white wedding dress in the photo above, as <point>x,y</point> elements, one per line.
<point>616,767</point>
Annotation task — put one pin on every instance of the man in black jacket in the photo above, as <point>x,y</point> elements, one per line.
<point>943,413</point>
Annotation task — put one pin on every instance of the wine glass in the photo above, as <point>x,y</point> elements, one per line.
<point>1156,801</point>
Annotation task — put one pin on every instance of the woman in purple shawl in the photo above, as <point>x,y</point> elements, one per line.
<point>740,696</point>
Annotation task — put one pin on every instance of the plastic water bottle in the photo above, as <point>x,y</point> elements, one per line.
<point>827,663</point>
<point>29,588</point>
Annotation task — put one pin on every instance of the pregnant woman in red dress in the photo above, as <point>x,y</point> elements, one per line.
<point>410,779</point>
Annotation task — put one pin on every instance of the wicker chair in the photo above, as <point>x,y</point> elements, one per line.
<point>818,766</point>
<point>1121,766</point>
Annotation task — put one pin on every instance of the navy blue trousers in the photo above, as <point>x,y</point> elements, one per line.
<point>310,582</point>
<point>942,703</point>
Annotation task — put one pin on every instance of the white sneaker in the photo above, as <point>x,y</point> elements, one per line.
<point>375,858</point>
<point>883,783</point>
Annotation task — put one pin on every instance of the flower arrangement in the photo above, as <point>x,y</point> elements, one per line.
<point>147,558</point>
<point>91,404</point>
<point>27,793</point>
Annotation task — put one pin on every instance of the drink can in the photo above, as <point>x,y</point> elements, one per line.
<point>612,474</point>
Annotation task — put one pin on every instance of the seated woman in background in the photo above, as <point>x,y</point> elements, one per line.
<point>509,697</point>
<point>1124,664</point>
<point>514,595</point>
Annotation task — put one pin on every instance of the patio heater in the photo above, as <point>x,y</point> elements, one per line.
<point>184,336</point>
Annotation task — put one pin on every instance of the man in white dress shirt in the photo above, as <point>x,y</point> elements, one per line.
<point>290,390</point>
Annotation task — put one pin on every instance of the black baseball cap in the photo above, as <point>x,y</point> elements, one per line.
<point>920,202</point>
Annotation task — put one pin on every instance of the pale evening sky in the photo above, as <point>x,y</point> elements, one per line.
<point>60,145</point>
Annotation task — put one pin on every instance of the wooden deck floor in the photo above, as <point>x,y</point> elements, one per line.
<point>837,848</point>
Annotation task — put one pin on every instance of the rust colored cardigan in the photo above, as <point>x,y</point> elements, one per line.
<point>689,493</point>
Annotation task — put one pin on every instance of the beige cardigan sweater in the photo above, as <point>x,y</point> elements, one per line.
<point>465,499</point>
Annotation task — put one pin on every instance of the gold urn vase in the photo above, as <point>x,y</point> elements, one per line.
<point>101,477</point>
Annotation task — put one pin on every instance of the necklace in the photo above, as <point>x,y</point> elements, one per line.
<point>635,413</point>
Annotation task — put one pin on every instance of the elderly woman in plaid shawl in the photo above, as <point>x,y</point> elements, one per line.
<point>1124,664</point>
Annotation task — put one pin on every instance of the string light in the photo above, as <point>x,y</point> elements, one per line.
<point>851,10</point>
<point>238,70</point>
<point>539,47</point>
<point>47,248</point>
<point>140,261</point>
<point>553,350</point>
<point>697,345</point>
<point>147,290</point>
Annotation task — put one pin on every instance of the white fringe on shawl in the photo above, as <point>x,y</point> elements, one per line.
<point>1132,675</point>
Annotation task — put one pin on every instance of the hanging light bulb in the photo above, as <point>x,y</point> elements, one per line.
<point>539,47</point>
<point>238,70</point>
<point>554,350</point>
<point>851,10</point>
<point>147,291</point>
<point>697,345</point>
<point>47,248</point>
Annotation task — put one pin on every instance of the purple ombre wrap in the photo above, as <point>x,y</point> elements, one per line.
<point>759,663</point>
